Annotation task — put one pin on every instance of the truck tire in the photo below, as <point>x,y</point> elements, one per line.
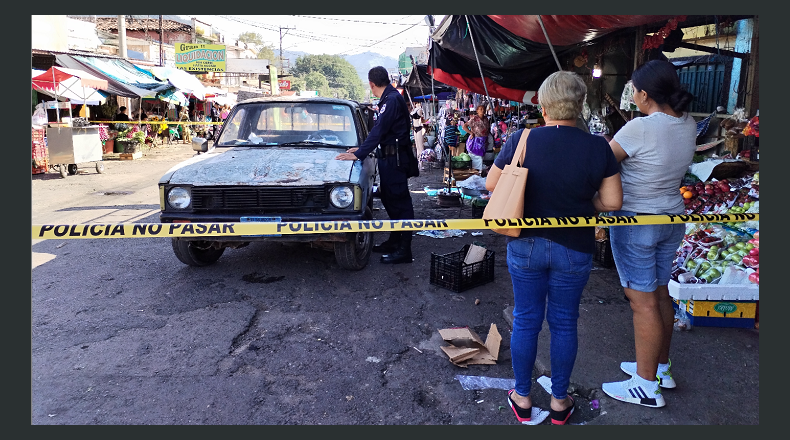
<point>196,253</point>
<point>354,253</point>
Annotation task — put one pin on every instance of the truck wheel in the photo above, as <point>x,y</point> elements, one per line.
<point>62,169</point>
<point>196,253</point>
<point>99,167</point>
<point>72,168</point>
<point>354,253</point>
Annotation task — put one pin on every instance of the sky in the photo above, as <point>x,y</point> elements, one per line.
<point>388,35</point>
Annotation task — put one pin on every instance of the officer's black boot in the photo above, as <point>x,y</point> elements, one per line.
<point>402,254</point>
<point>390,245</point>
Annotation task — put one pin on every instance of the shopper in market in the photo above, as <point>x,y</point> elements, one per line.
<point>571,174</point>
<point>122,116</point>
<point>391,139</point>
<point>654,152</point>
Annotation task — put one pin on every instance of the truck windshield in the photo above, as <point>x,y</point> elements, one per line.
<point>275,123</point>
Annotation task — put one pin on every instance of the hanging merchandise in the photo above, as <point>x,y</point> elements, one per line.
<point>627,98</point>
<point>40,115</point>
<point>597,124</point>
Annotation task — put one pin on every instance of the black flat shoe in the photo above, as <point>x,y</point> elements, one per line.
<point>523,415</point>
<point>561,417</point>
<point>397,257</point>
<point>385,247</point>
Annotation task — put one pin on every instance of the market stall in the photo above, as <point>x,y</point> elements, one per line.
<point>71,144</point>
<point>716,275</point>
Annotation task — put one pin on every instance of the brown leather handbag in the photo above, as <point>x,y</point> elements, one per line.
<point>507,199</point>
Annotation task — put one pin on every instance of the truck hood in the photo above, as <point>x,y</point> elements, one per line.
<point>263,166</point>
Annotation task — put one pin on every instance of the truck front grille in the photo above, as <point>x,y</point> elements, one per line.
<point>258,199</point>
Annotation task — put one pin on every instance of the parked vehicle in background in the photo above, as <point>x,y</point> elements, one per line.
<point>274,162</point>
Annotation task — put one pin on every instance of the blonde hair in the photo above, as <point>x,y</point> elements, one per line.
<point>562,95</point>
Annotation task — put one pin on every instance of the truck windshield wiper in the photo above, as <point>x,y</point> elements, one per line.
<point>311,143</point>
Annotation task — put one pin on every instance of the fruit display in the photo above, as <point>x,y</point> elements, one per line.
<point>733,195</point>
<point>711,253</point>
<point>720,253</point>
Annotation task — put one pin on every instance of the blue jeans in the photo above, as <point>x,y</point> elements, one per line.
<point>541,269</point>
<point>644,254</point>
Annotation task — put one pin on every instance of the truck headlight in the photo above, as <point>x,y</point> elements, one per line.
<point>341,196</point>
<point>179,198</point>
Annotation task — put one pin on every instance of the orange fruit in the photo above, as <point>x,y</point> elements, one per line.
<point>682,189</point>
<point>688,195</point>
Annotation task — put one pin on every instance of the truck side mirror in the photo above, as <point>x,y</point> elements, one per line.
<point>200,144</point>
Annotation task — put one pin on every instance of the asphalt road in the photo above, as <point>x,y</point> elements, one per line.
<point>123,333</point>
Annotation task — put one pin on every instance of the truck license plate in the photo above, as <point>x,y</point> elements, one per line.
<point>262,220</point>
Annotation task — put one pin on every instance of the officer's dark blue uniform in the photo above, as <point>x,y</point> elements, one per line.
<point>391,133</point>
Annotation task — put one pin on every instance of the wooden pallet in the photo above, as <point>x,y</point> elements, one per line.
<point>131,156</point>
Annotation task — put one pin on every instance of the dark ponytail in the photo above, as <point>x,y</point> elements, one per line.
<point>661,82</point>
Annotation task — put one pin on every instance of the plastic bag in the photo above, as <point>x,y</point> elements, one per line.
<point>627,98</point>
<point>476,146</point>
<point>40,115</point>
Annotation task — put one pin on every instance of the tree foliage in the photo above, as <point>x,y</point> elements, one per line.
<point>250,37</point>
<point>267,53</point>
<point>341,77</point>
<point>298,84</point>
<point>315,80</point>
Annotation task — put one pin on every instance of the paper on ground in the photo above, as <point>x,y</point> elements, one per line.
<point>537,417</point>
<point>482,382</point>
<point>545,382</point>
<point>443,234</point>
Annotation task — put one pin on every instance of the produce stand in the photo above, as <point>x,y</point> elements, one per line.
<point>715,277</point>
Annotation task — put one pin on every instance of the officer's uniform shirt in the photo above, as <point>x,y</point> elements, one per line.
<point>392,123</point>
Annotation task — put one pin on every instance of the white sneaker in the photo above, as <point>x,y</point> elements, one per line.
<point>635,390</point>
<point>665,379</point>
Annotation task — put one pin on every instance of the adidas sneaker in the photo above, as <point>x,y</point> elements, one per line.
<point>665,379</point>
<point>636,390</point>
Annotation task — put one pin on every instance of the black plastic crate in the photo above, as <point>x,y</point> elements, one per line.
<point>603,253</point>
<point>450,272</point>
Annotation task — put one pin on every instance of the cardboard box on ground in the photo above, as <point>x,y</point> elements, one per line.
<point>466,348</point>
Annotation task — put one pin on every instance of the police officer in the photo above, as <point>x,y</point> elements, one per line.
<point>392,144</point>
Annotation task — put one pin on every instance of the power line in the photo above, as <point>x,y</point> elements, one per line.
<point>320,37</point>
<point>385,39</point>
<point>305,35</point>
<point>353,21</point>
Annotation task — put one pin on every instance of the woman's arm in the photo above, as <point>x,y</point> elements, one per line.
<point>609,196</point>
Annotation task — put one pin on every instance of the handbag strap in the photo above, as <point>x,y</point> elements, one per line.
<point>520,149</point>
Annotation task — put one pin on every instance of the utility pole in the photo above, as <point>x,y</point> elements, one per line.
<point>161,52</point>
<point>122,35</point>
<point>281,44</point>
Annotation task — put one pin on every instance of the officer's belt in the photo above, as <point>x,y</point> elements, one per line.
<point>391,150</point>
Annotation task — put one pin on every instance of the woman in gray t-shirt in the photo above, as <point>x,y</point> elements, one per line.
<point>654,152</point>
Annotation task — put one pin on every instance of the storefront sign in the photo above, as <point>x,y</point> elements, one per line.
<point>284,84</point>
<point>200,57</point>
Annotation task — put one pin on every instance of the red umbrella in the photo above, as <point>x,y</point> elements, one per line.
<point>53,77</point>
<point>50,79</point>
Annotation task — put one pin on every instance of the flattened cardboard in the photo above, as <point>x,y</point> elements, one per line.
<point>459,355</point>
<point>468,349</point>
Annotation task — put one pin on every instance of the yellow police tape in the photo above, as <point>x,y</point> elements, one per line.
<point>153,122</point>
<point>141,230</point>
